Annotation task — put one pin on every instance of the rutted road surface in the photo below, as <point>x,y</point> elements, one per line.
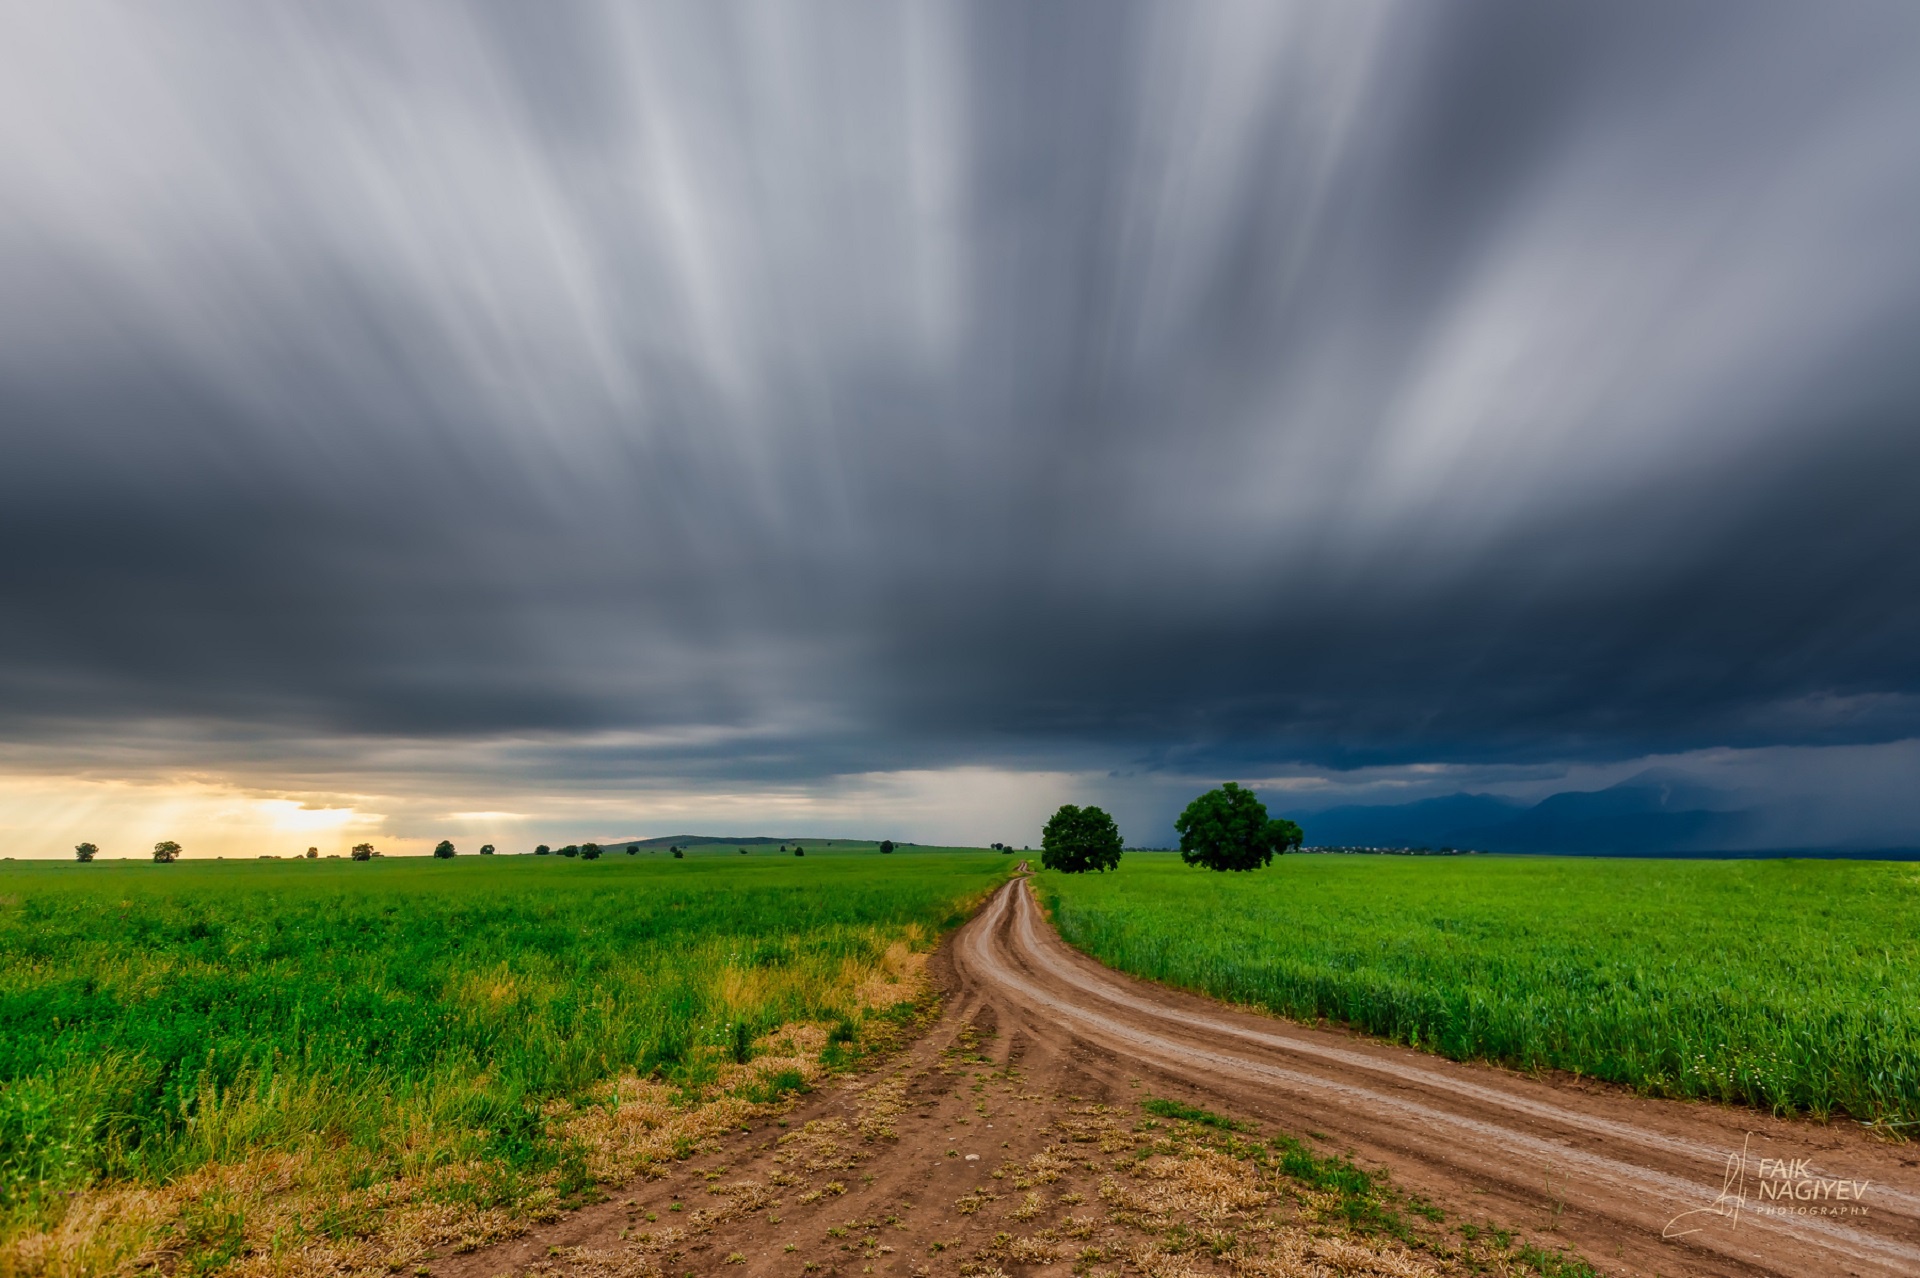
<point>1008,1140</point>
<point>1640,1185</point>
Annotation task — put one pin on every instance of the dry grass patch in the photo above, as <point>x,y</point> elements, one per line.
<point>973,1202</point>
<point>821,1145</point>
<point>1044,1168</point>
<point>880,1108</point>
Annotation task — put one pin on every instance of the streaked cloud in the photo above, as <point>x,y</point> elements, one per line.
<point>707,408</point>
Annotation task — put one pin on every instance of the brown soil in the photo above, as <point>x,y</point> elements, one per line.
<point>1010,1140</point>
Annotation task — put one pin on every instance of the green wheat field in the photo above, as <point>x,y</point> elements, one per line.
<point>1790,985</point>
<point>211,1060</point>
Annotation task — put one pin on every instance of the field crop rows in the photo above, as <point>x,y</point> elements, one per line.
<point>1793,985</point>
<point>205,1062</point>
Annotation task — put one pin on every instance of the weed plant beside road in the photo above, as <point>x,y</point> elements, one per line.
<point>1792,985</point>
<point>399,1032</point>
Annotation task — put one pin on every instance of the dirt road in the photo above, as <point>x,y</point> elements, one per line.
<point>1011,1140</point>
<point>1642,1185</point>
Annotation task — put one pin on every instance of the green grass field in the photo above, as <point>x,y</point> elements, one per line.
<point>1793,985</point>
<point>348,1028</point>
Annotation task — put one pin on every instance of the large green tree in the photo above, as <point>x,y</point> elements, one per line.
<point>1080,839</point>
<point>166,851</point>
<point>85,851</point>
<point>1228,829</point>
<point>443,849</point>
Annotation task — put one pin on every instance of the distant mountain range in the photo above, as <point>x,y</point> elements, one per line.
<point>1653,813</point>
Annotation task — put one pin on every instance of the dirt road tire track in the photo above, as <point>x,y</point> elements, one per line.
<point>1604,1170</point>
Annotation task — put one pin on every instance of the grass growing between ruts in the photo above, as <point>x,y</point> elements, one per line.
<point>1332,1190</point>
<point>1792,985</point>
<point>314,1066</point>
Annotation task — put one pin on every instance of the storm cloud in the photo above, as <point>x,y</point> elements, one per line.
<point>765,395</point>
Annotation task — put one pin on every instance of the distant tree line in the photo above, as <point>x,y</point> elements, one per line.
<point>1224,829</point>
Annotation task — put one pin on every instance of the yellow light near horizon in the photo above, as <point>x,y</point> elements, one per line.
<point>44,816</point>
<point>291,817</point>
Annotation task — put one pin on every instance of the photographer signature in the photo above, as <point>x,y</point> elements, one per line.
<point>1779,1187</point>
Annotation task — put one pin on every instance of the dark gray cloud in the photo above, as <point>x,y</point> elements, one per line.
<point>769,394</point>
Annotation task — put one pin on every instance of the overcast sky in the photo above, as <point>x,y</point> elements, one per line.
<point>569,420</point>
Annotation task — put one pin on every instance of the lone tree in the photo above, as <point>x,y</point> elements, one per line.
<point>678,854</point>
<point>1080,839</point>
<point>363,852</point>
<point>1228,829</point>
<point>798,850</point>
<point>886,846</point>
<point>313,854</point>
<point>632,848</point>
<point>486,849</point>
<point>166,852</point>
<point>589,851</point>
<point>85,851</point>
<point>543,850</point>
<point>443,849</point>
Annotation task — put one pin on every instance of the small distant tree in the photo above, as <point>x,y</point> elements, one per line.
<point>572,849</point>
<point>798,850</point>
<point>443,849</point>
<point>1228,829</point>
<point>313,854</point>
<point>1080,839</point>
<point>589,851</point>
<point>886,846</point>
<point>363,852</point>
<point>632,848</point>
<point>743,851</point>
<point>85,851</point>
<point>486,849</point>
<point>166,852</point>
<point>543,850</point>
<point>678,855</point>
